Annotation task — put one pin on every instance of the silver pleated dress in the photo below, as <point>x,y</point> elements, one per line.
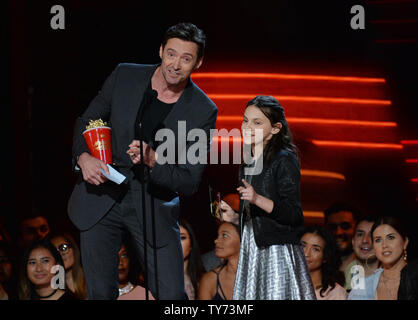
<point>277,272</point>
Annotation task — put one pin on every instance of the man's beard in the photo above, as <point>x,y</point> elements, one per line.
<point>345,252</point>
<point>348,249</point>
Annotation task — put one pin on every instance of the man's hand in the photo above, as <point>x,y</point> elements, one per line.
<point>150,156</point>
<point>90,167</point>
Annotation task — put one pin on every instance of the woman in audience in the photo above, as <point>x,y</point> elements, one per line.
<point>70,253</point>
<point>129,276</point>
<point>323,260</point>
<point>193,266</point>
<point>218,284</point>
<point>41,263</point>
<point>390,281</point>
<point>8,281</point>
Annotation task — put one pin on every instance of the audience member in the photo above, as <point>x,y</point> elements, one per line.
<point>340,219</point>
<point>8,282</point>
<point>70,253</point>
<point>365,256</point>
<point>323,260</point>
<point>390,243</point>
<point>36,274</point>
<point>4,234</point>
<point>230,200</point>
<point>218,284</point>
<point>408,286</point>
<point>193,266</point>
<point>32,228</point>
<point>129,288</point>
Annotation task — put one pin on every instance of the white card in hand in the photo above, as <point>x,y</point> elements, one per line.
<point>113,175</point>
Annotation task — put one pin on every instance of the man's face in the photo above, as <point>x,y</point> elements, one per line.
<point>362,242</point>
<point>341,224</point>
<point>34,229</point>
<point>178,60</point>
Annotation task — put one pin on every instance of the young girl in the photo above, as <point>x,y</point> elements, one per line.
<point>218,284</point>
<point>272,264</point>
<point>37,273</point>
<point>323,258</point>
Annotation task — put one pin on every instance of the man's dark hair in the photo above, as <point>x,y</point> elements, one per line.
<point>369,218</point>
<point>187,32</point>
<point>340,206</point>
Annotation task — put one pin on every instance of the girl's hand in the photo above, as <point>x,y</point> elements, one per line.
<point>248,192</point>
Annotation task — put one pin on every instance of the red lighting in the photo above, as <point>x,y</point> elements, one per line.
<point>323,121</point>
<point>242,75</point>
<point>220,138</point>
<point>409,142</point>
<point>303,99</point>
<point>322,174</point>
<point>352,144</point>
<point>411,160</point>
<point>313,214</point>
<point>414,180</point>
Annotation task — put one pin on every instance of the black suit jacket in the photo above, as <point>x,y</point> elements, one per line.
<point>118,103</point>
<point>279,181</point>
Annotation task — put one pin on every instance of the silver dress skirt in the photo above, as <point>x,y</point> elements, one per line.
<point>277,272</point>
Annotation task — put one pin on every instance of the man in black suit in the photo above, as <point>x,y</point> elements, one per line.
<point>157,97</point>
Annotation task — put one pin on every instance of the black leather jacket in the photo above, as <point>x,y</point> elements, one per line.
<point>280,182</point>
<point>408,287</point>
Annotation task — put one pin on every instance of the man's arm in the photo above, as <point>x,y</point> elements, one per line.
<point>99,108</point>
<point>184,178</point>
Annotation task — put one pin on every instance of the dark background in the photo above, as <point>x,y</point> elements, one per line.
<point>50,77</point>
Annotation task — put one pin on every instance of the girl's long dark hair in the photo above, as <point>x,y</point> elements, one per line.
<point>331,259</point>
<point>394,222</point>
<point>195,268</point>
<point>272,109</point>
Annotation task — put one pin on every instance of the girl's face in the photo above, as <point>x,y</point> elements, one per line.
<point>388,245</point>
<point>185,242</point>
<point>228,242</point>
<point>254,119</point>
<point>65,249</point>
<point>313,247</point>
<point>39,266</point>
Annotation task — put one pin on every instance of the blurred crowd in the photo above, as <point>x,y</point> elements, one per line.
<point>350,256</point>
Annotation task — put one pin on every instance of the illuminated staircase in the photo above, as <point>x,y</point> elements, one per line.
<point>335,120</point>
